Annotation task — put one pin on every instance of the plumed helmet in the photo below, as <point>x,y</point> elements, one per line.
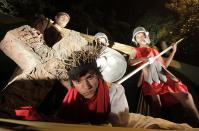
<point>138,30</point>
<point>101,35</point>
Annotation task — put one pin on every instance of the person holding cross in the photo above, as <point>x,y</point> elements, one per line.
<point>56,31</point>
<point>159,86</point>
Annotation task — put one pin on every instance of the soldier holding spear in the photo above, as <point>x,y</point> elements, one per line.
<point>159,86</point>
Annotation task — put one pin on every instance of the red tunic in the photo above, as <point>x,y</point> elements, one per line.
<point>162,88</point>
<point>75,109</point>
<point>96,110</point>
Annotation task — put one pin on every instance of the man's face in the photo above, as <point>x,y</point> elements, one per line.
<point>141,38</point>
<point>62,20</point>
<point>87,85</point>
<point>102,41</point>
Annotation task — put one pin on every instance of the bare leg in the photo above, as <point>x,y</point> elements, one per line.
<point>187,102</point>
<point>155,105</point>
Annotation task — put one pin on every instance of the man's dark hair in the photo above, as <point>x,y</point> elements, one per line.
<point>82,61</point>
<point>77,72</point>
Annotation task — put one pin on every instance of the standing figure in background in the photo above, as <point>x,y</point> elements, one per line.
<point>91,99</point>
<point>55,33</point>
<point>159,86</point>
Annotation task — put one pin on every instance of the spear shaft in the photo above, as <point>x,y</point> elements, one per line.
<point>147,63</point>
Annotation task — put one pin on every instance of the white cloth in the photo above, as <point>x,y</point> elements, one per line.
<point>119,115</point>
<point>154,73</point>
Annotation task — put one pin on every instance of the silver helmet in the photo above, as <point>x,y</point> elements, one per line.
<point>101,35</point>
<point>138,30</point>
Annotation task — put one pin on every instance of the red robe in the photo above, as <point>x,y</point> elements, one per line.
<point>162,88</point>
<point>76,109</point>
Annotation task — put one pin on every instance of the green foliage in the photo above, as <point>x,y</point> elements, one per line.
<point>160,27</point>
<point>182,7</point>
<point>25,8</point>
<point>7,8</point>
<point>188,10</point>
<point>187,27</point>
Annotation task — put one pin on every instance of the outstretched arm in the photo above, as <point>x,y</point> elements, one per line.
<point>169,59</point>
<point>133,60</point>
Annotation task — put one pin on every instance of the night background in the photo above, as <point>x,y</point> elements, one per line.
<point>166,20</point>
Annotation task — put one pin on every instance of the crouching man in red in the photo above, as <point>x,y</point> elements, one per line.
<point>92,99</point>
